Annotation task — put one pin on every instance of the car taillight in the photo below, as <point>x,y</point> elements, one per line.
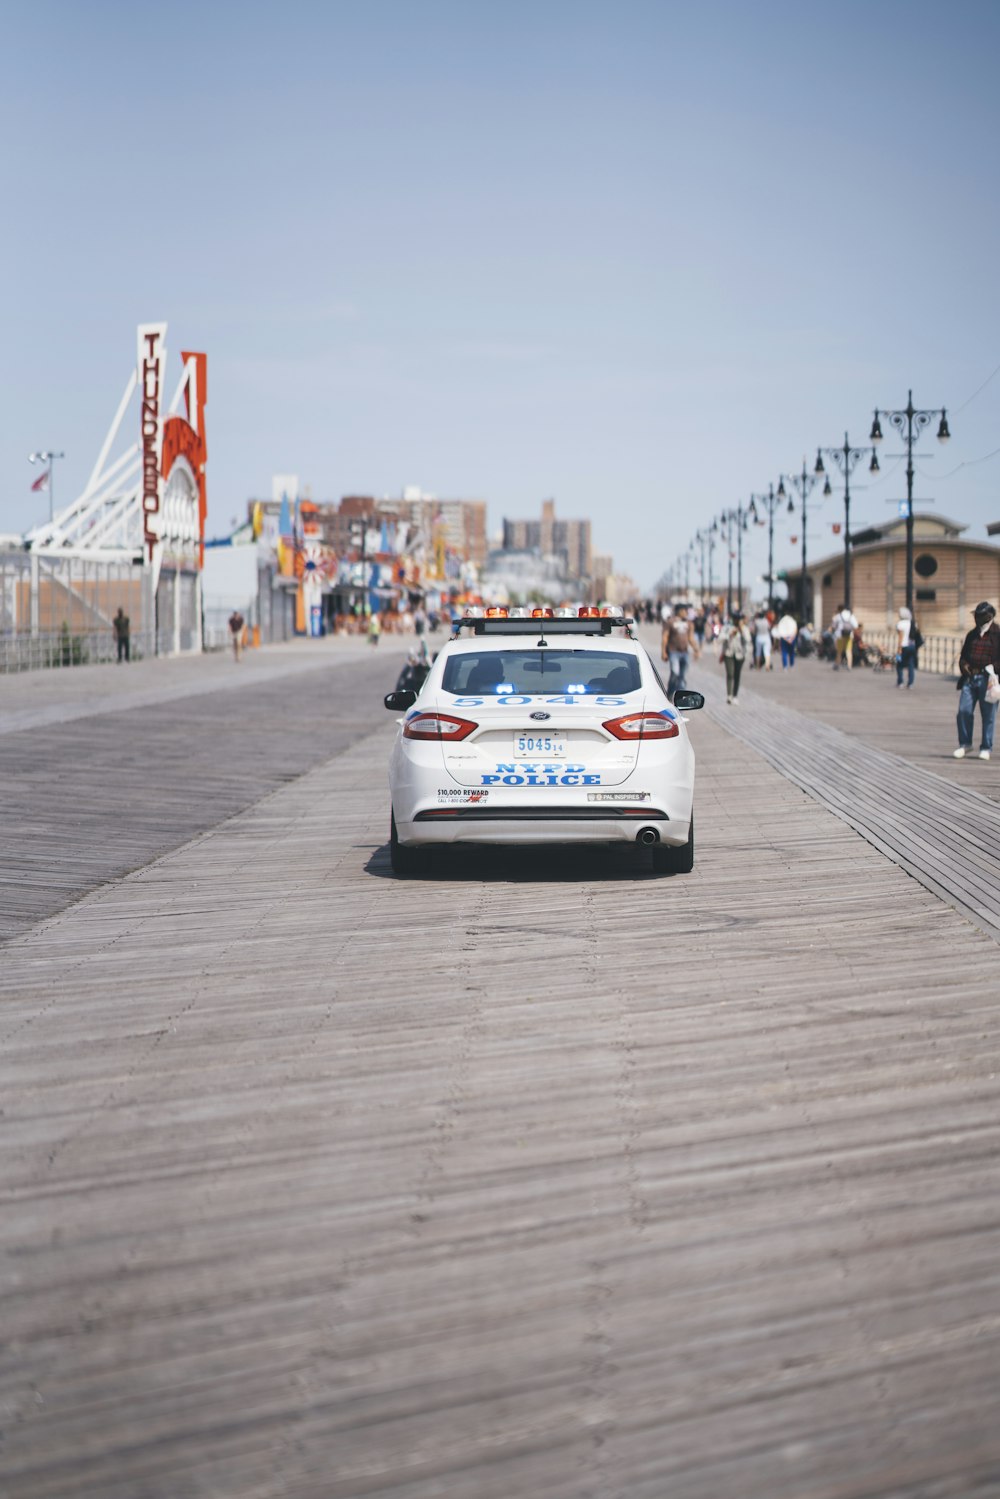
<point>643,726</point>
<point>437,726</point>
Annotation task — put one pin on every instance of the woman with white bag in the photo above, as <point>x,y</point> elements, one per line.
<point>979,667</point>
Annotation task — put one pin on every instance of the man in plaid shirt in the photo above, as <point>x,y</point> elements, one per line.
<point>981,650</point>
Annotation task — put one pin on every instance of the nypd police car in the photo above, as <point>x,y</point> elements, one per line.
<point>542,726</point>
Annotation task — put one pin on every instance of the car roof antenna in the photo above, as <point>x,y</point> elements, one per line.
<point>543,641</point>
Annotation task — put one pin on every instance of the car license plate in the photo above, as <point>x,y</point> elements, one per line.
<point>552,746</point>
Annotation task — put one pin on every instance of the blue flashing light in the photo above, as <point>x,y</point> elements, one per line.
<point>576,687</point>
<point>503,687</point>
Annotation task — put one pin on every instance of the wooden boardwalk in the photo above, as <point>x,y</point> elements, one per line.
<point>945,835</point>
<point>539,1177</point>
<point>104,768</point>
<point>918,725</point>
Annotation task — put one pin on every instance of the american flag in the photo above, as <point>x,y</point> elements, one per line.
<point>42,482</point>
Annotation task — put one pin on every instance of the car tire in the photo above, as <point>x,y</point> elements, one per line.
<point>668,860</point>
<point>405,861</point>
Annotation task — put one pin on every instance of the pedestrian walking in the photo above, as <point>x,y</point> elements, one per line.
<point>675,647</point>
<point>909,642</point>
<point>735,645</point>
<point>844,626</point>
<point>374,629</point>
<point>236,626</point>
<point>122,628</point>
<point>980,651</point>
<point>787,632</point>
<point>762,641</point>
<point>414,673</point>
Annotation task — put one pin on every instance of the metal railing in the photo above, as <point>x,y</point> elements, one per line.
<point>58,648</point>
<point>939,653</point>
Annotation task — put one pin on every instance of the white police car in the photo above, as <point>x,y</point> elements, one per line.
<point>542,726</point>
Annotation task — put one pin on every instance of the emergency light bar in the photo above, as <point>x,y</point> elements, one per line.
<point>565,611</point>
<point>507,625</point>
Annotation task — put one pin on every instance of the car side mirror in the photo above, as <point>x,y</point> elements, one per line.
<point>397,701</point>
<point>688,701</point>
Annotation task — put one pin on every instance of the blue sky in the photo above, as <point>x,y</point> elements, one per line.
<point>639,257</point>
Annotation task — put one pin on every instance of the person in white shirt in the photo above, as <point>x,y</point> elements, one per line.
<point>787,630</point>
<point>844,626</point>
<point>906,648</point>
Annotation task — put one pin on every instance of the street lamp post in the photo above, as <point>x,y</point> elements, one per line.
<point>726,535</point>
<point>359,535</point>
<point>770,502</point>
<point>846,459</point>
<point>700,540</point>
<point>50,459</point>
<point>910,422</point>
<point>713,532</point>
<point>734,520</point>
<point>803,483</point>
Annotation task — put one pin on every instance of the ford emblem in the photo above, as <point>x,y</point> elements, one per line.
<point>540,715</point>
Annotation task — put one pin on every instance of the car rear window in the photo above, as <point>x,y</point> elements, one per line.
<point>532,672</point>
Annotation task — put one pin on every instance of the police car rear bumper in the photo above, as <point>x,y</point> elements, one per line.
<point>525,825</point>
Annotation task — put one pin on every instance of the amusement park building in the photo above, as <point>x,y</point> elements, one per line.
<point>132,540</point>
<point>320,560</point>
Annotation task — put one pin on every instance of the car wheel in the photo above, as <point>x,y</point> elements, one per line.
<point>668,860</point>
<point>404,860</point>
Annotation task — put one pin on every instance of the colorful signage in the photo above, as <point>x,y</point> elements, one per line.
<point>150,375</point>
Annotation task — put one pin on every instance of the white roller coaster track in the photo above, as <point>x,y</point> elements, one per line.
<point>106,519</point>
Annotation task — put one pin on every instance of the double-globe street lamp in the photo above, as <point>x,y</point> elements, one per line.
<point>804,484</point>
<point>703,541</point>
<point>735,521</point>
<point>910,422</point>
<point>769,502</point>
<point>846,458</point>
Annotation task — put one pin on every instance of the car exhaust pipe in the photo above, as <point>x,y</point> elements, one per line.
<point>647,837</point>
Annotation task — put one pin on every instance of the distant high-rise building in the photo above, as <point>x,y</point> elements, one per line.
<point>567,539</point>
